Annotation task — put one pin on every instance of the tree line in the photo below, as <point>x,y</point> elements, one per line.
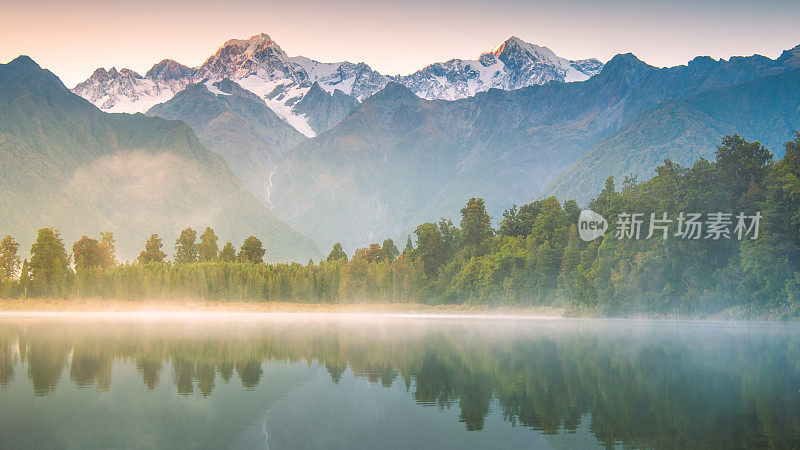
<point>534,256</point>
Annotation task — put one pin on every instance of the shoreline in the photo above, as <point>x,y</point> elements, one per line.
<point>200,309</point>
<point>245,316</point>
<point>208,310</point>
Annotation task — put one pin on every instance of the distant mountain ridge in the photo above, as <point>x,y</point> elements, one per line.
<point>766,109</point>
<point>260,65</point>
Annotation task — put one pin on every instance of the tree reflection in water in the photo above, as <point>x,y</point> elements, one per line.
<point>665,385</point>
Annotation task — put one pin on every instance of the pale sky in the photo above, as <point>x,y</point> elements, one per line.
<point>72,38</point>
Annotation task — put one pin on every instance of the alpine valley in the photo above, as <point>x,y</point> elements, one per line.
<point>343,153</point>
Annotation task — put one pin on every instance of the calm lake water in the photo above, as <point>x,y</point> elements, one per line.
<point>333,382</point>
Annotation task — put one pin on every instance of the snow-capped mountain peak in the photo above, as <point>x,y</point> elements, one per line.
<point>513,64</point>
<point>259,55</point>
<point>260,65</point>
<point>252,44</point>
<point>169,69</point>
<point>517,45</point>
<point>516,54</point>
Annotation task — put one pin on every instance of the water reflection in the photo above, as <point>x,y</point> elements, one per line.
<point>665,386</point>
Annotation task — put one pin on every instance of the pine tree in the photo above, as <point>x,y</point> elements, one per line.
<point>569,263</point>
<point>408,252</point>
<point>24,277</point>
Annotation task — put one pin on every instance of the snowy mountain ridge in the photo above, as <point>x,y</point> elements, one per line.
<point>513,64</point>
<point>259,65</point>
<point>126,91</point>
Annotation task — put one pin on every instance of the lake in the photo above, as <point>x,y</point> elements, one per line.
<point>366,381</point>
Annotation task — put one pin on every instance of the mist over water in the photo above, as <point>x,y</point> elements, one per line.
<point>330,381</point>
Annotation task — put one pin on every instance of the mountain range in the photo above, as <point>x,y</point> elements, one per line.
<point>67,164</point>
<point>342,153</point>
<point>309,96</point>
<point>398,160</point>
<point>259,65</point>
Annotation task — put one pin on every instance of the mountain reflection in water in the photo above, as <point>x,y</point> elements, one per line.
<point>637,384</point>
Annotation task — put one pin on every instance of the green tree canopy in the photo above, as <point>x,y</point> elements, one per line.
<point>371,254</point>
<point>252,250</point>
<point>572,210</point>
<point>607,202</point>
<point>208,249</point>
<point>49,265</point>
<point>228,253</point>
<point>390,250</point>
<point>337,253</point>
<point>476,225</point>
<point>742,165</point>
<point>108,244</point>
<point>152,251</point>
<point>511,225</point>
<point>430,248</point>
<point>785,201</point>
<point>451,237</point>
<point>88,252</point>
<point>186,247</point>
<point>9,259</point>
